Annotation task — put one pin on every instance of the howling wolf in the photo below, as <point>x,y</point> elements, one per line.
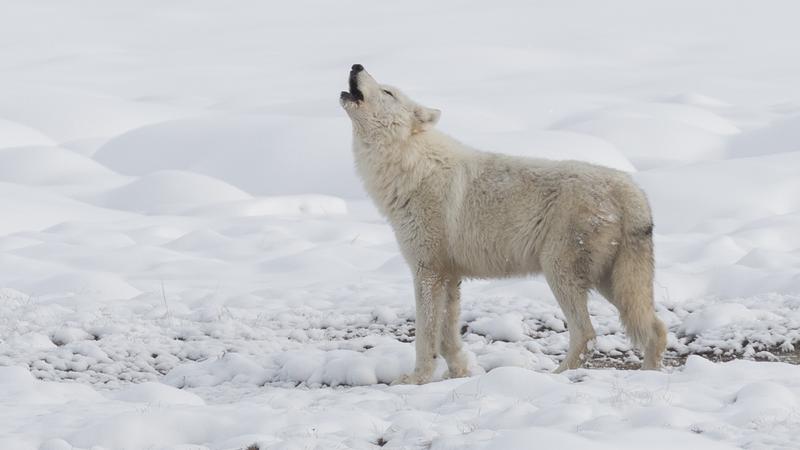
<point>461,213</point>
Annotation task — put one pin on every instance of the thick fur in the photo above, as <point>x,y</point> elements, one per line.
<point>461,213</point>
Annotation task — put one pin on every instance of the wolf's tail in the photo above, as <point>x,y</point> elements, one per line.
<point>632,278</point>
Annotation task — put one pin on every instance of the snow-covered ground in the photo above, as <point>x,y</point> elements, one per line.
<point>188,261</point>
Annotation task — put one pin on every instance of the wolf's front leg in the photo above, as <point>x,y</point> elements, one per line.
<point>451,331</point>
<point>429,293</point>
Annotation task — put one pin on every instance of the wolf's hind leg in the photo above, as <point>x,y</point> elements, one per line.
<point>573,299</point>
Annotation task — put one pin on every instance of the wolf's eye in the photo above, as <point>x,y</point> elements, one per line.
<point>387,92</point>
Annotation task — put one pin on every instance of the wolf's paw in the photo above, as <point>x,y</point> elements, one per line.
<point>412,378</point>
<point>457,372</point>
<point>569,364</point>
<point>563,367</point>
<point>651,364</point>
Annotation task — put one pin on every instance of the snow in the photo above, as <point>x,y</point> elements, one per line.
<point>262,155</point>
<point>188,260</point>
<point>739,400</point>
<point>171,192</point>
<point>159,393</point>
<point>507,327</point>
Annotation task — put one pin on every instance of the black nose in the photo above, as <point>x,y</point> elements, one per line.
<point>356,68</point>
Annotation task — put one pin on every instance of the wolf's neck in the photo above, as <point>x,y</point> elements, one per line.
<point>392,172</point>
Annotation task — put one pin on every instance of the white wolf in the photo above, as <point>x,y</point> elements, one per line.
<point>461,213</point>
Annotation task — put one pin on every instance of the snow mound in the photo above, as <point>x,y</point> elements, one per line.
<point>49,165</point>
<point>653,135</point>
<point>13,134</point>
<point>31,341</point>
<point>779,137</point>
<point>738,190</point>
<point>716,316</point>
<point>771,260</point>
<point>345,367</point>
<point>776,233</point>
<point>311,205</point>
<point>157,393</point>
<point>340,367</point>
<point>67,113</point>
<point>697,99</point>
<point>512,382</point>
<point>757,401</point>
<point>31,208</point>
<point>693,115</point>
<point>66,335</point>
<point>17,386</point>
<point>552,144</point>
<point>230,367</point>
<point>84,285</point>
<point>200,239</point>
<point>265,155</point>
<point>56,444</point>
<point>171,192</point>
<point>508,327</point>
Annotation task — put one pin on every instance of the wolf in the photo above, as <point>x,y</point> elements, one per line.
<point>462,213</point>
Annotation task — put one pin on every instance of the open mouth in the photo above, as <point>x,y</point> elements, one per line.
<point>354,95</point>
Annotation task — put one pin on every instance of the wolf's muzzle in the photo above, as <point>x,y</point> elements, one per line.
<point>355,94</point>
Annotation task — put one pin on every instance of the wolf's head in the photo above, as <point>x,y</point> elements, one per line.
<point>382,113</point>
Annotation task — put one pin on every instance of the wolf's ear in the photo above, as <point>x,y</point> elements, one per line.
<point>425,118</point>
